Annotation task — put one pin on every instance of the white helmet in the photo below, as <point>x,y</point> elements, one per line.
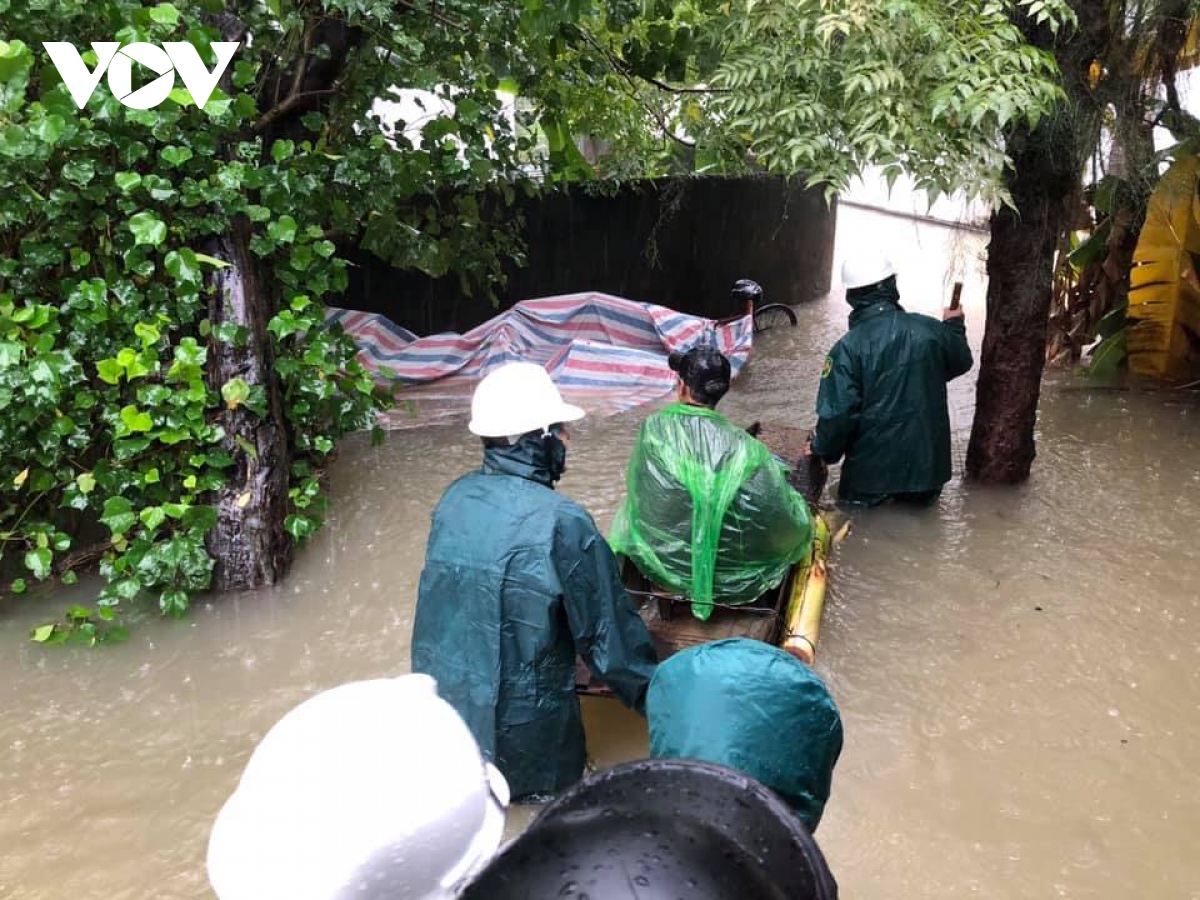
<point>371,790</point>
<point>517,398</point>
<point>867,266</point>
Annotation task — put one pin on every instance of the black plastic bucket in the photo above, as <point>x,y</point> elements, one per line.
<point>662,830</point>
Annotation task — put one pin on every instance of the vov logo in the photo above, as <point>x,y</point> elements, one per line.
<point>171,58</point>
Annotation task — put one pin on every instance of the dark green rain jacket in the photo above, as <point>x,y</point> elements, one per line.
<point>516,579</point>
<point>882,400</point>
<point>750,706</point>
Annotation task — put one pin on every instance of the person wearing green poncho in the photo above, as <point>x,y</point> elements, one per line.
<point>709,512</point>
<point>882,403</point>
<point>517,581</point>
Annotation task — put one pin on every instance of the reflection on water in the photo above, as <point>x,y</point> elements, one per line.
<point>1017,669</point>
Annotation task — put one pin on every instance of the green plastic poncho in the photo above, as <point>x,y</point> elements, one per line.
<point>709,512</point>
<point>517,579</point>
<point>882,399</point>
<point>750,706</point>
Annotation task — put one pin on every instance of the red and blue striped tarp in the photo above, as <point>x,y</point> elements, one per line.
<point>605,353</point>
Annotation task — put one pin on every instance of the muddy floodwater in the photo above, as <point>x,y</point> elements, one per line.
<point>1017,669</point>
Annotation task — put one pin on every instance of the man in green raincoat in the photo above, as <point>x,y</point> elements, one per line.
<point>709,512</point>
<point>517,579</point>
<point>882,399</point>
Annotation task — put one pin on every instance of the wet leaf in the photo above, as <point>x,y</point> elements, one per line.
<point>235,392</point>
<point>118,515</point>
<point>38,562</point>
<point>136,420</point>
<point>148,229</point>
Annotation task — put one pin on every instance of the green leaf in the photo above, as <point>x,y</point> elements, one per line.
<point>183,266</point>
<point>211,261</point>
<point>152,517</point>
<point>109,371</point>
<point>282,230</point>
<point>127,181</point>
<point>282,150</point>
<point>299,527</point>
<point>173,602</point>
<point>148,229</point>
<point>172,436</point>
<point>164,14</point>
<point>118,515</point>
<point>146,333</point>
<point>10,354</point>
<point>86,482</point>
<point>50,129</point>
<point>1106,357</point>
<point>136,420</point>
<point>79,171</point>
<point>18,586</point>
<point>43,633</point>
<point>70,577</point>
<point>176,156</point>
<point>235,392</point>
<point>38,562</point>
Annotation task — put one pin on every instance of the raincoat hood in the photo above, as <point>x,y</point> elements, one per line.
<point>750,706</point>
<point>866,302</point>
<point>535,457</point>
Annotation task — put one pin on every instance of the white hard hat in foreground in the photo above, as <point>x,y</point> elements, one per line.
<point>370,790</point>
<point>517,398</point>
<point>867,266</point>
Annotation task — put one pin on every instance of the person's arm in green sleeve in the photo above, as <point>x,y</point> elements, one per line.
<point>609,634</point>
<point>955,347</point>
<point>838,406</point>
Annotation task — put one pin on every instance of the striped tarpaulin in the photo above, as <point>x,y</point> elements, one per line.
<point>605,353</point>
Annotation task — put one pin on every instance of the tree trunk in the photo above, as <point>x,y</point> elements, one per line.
<point>1047,166</point>
<point>248,542</point>
<point>1020,266</point>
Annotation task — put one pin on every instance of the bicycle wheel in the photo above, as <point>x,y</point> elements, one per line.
<point>772,314</point>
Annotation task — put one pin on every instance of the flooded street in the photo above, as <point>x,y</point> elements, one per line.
<point>1018,670</point>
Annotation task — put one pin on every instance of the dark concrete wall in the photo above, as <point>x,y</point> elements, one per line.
<point>678,242</point>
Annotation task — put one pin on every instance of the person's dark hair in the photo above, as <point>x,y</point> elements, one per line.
<point>705,371</point>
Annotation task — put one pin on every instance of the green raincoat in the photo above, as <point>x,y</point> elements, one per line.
<point>750,706</point>
<point>882,400</point>
<point>709,512</point>
<point>517,579</point>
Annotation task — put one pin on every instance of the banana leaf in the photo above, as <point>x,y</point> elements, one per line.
<point>1106,357</point>
<point>1163,341</point>
<point>1093,248</point>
